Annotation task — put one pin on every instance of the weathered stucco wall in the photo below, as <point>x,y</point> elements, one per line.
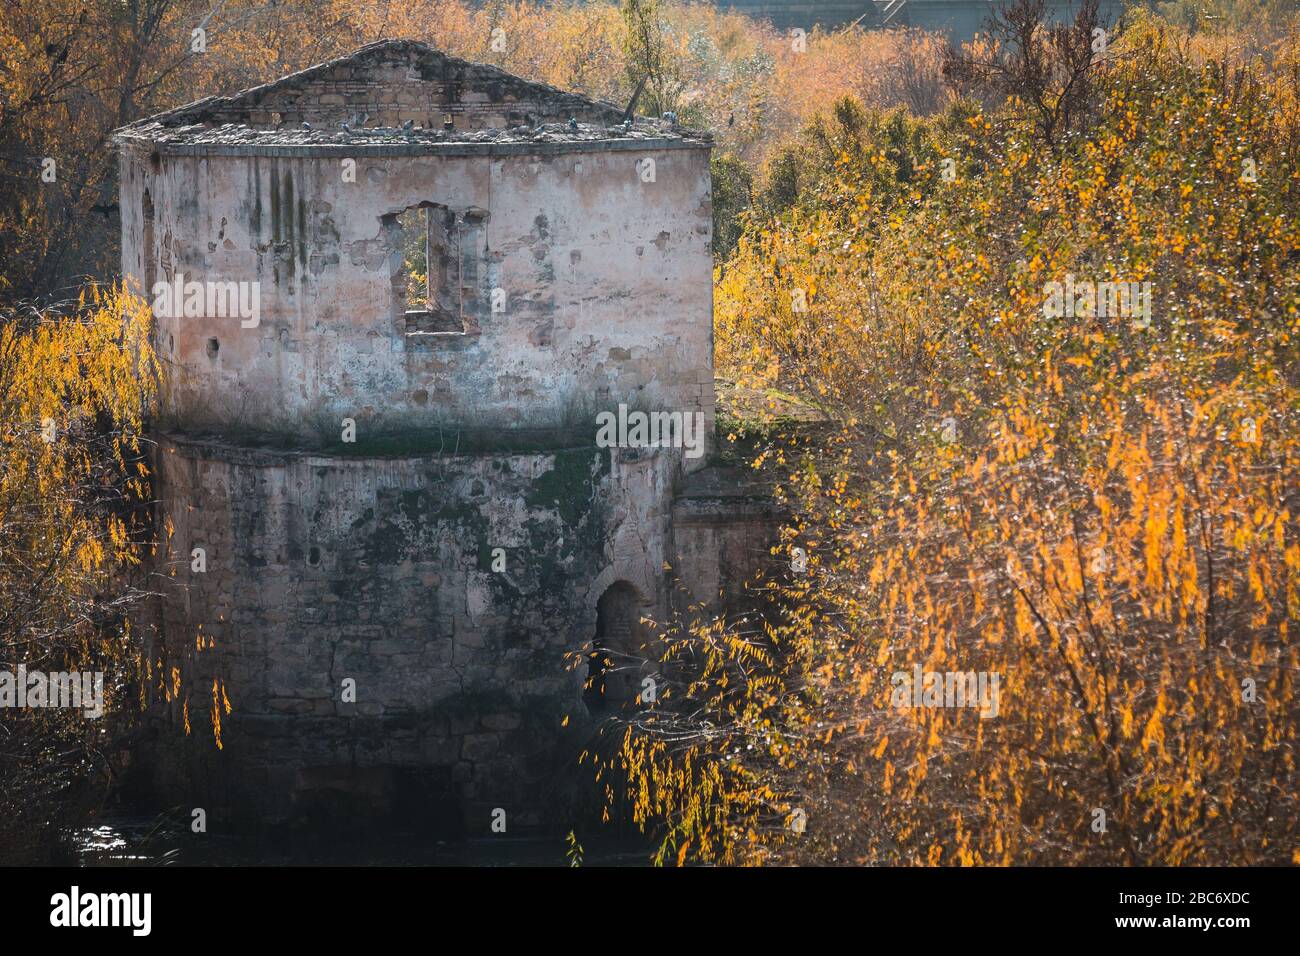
<point>606,279</point>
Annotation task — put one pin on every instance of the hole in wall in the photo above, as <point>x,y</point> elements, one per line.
<point>213,348</point>
<point>435,269</point>
<point>147,243</point>
<point>612,671</point>
<point>313,556</point>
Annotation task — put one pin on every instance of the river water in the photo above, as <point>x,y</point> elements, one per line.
<point>160,842</point>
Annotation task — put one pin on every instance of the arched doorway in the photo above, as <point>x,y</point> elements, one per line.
<point>614,666</point>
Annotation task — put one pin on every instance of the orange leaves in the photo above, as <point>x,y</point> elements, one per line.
<point>74,389</point>
<point>218,698</point>
<point>1095,528</point>
<point>1153,536</point>
<point>1153,734</point>
<point>1024,619</point>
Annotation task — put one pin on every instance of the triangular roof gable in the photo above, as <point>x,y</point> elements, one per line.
<point>394,81</point>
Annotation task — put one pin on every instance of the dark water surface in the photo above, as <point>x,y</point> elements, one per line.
<point>162,842</point>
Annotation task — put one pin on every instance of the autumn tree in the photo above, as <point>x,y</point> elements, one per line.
<point>72,72</point>
<point>1088,507</point>
<point>1047,67</point>
<point>75,385</point>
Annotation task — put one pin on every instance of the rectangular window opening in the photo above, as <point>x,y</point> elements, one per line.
<point>431,271</point>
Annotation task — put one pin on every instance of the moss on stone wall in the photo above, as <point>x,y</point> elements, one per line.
<point>397,442</point>
<point>569,487</point>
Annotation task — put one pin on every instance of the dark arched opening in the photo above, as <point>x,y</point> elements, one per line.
<point>612,670</point>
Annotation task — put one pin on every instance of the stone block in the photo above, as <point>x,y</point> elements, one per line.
<point>479,747</point>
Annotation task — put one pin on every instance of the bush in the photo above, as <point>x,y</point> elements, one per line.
<point>1094,506</point>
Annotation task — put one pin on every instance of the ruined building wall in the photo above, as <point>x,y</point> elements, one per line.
<point>606,283</point>
<point>451,585</point>
<point>316,569</point>
<point>724,524</point>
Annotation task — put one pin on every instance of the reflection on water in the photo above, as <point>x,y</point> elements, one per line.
<point>164,842</point>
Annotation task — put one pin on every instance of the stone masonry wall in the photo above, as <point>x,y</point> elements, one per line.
<point>573,275</point>
<point>381,570</point>
<point>394,82</point>
<point>724,526</point>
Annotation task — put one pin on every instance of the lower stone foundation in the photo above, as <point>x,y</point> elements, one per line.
<point>398,635</point>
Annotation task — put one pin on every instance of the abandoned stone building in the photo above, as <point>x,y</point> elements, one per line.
<point>382,532</point>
